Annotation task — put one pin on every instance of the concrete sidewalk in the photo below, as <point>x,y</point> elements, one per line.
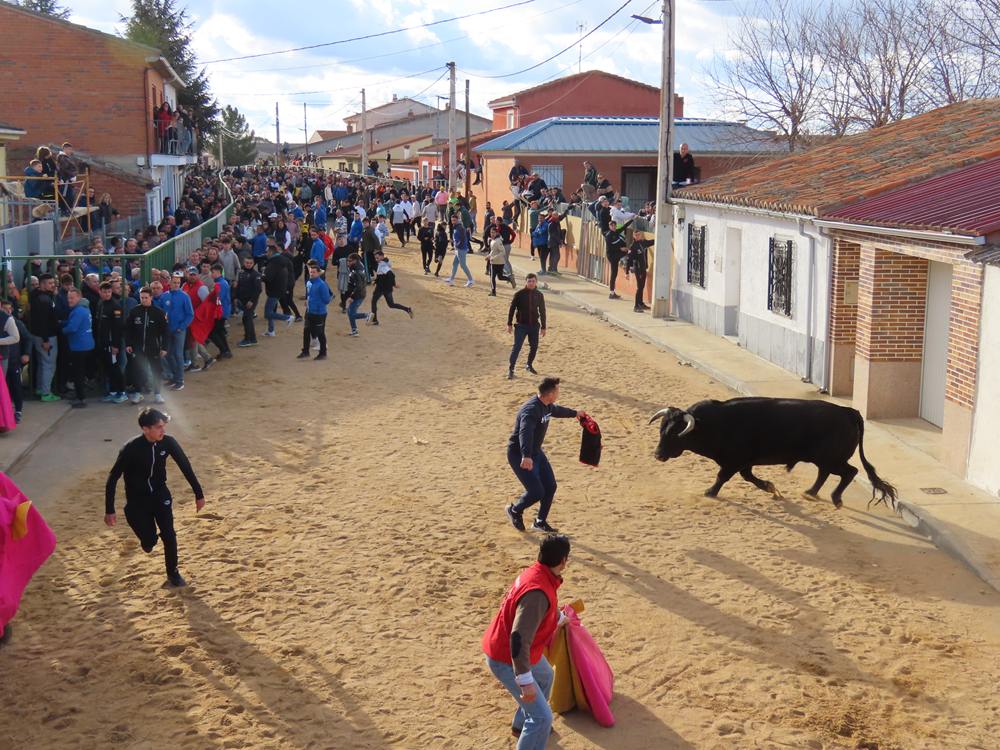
<point>959,518</point>
<point>39,420</point>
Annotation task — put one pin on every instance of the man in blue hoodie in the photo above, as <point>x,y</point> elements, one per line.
<point>318,296</point>
<point>317,251</point>
<point>180,314</point>
<point>77,328</point>
<point>319,214</point>
<point>258,247</point>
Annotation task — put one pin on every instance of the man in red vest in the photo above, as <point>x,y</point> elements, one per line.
<point>528,617</point>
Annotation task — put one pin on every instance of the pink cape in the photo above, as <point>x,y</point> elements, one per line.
<point>7,422</point>
<point>596,677</point>
<point>19,558</point>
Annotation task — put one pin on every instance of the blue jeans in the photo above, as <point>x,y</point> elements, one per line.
<point>539,483</point>
<point>353,314</point>
<point>460,261</point>
<point>533,719</point>
<point>46,363</point>
<point>521,332</point>
<point>175,356</point>
<point>272,314</point>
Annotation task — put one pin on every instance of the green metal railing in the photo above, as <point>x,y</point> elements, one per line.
<point>161,256</point>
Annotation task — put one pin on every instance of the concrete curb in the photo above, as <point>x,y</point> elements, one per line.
<point>16,460</point>
<point>920,519</point>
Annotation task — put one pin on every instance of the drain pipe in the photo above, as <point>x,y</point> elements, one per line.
<point>811,305</point>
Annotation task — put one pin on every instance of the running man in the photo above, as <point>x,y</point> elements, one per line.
<point>148,505</point>
<point>318,297</point>
<point>526,458</point>
<point>528,304</point>
<point>515,641</point>
<point>385,282</point>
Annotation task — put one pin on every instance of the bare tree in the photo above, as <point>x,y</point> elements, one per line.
<point>835,99</point>
<point>956,69</point>
<point>884,55</point>
<point>978,24</point>
<point>771,74</point>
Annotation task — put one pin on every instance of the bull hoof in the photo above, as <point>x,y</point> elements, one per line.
<point>775,492</point>
<point>838,503</point>
<point>811,495</point>
<point>711,493</point>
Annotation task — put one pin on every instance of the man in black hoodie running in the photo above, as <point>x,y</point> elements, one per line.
<point>148,505</point>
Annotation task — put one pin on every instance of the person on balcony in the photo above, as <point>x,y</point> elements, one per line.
<point>34,187</point>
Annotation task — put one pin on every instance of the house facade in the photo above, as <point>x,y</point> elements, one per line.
<point>850,266</point>
<point>592,92</point>
<point>91,66</point>
<point>395,154</point>
<point>397,109</point>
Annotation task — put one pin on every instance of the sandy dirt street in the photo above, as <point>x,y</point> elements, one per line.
<point>354,548</point>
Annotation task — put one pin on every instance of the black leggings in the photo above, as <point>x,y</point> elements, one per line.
<point>614,258</point>
<point>543,257</point>
<point>377,294</point>
<point>145,515</point>
<point>401,231</point>
<point>640,288</point>
<point>288,306</point>
<point>314,328</point>
<point>426,256</point>
<point>496,272</point>
<point>78,371</point>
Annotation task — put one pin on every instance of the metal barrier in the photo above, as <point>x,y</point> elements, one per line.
<point>161,256</point>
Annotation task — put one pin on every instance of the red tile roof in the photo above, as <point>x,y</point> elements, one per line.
<point>966,201</point>
<point>378,148</point>
<point>856,167</point>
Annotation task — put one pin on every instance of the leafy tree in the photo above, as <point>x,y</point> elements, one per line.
<point>239,145</point>
<point>47,7</point>
<point>161,24</point>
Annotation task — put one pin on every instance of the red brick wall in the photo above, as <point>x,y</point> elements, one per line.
<point>62,82</point>
<point>906,269</point>
<point>843,316</point>
<point>126,195</point>
<point>892,298</point>
<point>590,94</point>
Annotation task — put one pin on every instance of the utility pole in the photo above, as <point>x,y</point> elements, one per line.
<point>222,137</point>
<point>663,249</point>
<point>468,144</point>
<point>364,135</point>
<point>579,61</point>
<point>305,130</point>
<point>277,136</point>
<point>451,128</point>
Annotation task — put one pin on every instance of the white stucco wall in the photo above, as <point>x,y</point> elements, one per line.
<point>170,95</point>
<point>784,340</point>
<point>984,468</point>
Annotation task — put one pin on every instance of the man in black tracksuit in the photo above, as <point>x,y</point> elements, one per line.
<point>615,249</point>
<point>528,305</point>
<point>526,458</point>
<point>148,504</point>
<point>109,324</point>
<point>146,342</point>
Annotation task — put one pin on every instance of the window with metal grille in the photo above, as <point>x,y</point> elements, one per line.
<point>779,277</point>
<point>551,173</point>
<point>696,255</point>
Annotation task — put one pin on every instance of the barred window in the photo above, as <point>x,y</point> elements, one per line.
<point>696,255</point>
<point>551,173</point>
<point>779,277</point>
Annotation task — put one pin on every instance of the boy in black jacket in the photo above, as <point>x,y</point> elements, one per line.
<point>248,288</point>
<point>146,342</point>
<point>385,282</point>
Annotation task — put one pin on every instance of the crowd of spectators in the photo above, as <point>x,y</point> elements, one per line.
<point>175,131</point>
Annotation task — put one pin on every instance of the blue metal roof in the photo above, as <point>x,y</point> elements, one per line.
<point>640,135</point>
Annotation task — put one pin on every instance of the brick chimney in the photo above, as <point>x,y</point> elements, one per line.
<point>678,105</point>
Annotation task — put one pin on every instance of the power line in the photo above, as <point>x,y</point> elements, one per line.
<point>372,36</point>
<point>562,51</point>
<point>404,51</point>
<point>326,91</point>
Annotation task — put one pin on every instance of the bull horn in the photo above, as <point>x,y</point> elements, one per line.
<point>688,425</point>
<point>660,413</point>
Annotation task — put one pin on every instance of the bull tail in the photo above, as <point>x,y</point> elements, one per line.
<point>882,491</point>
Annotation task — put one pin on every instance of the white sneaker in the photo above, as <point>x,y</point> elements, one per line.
<point>158,399</point>
<point>270,333</point>
<point>468,283</point>
<point>136,398</point>
<point>449,282</point>
<point>315,344</point>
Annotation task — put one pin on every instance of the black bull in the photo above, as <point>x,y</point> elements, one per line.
<point>742,433</point>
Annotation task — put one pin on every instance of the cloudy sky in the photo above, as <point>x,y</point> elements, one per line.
<point>412,62</point>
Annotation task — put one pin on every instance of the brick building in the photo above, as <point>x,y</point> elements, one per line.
<point>592,92</point>
<point>850,265</point>
<point>66,82</point>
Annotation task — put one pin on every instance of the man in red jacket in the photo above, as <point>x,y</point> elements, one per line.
<point>515,640</point>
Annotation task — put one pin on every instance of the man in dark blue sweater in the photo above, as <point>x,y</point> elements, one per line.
<point>526,458</point>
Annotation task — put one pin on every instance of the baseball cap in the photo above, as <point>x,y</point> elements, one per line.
<point>178,274</point>
<point>192,269</point>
